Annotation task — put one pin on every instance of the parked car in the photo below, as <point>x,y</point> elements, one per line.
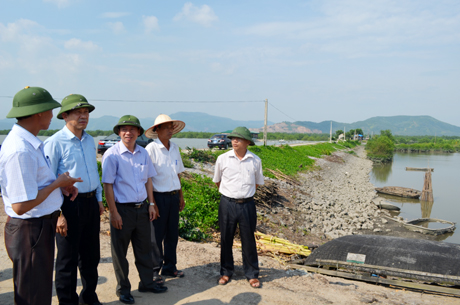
<point>113,139</point>
<point>219,140</point>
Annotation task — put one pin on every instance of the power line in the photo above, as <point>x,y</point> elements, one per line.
<point>148,101</point>
<point>283,112</point>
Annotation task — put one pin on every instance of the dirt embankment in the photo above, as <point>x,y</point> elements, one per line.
<point>330,201</point>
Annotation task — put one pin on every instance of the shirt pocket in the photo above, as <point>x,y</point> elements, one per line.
<point>249,176</point>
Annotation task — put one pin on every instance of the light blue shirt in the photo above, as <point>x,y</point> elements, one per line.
<point>128,172</point>
<point>24,171</point>
<point>67,153</point>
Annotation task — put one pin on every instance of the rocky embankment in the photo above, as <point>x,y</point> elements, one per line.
<point>333,200</point>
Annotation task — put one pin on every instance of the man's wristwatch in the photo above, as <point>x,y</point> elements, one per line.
<point>151,203</point>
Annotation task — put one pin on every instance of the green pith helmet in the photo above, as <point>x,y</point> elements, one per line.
<point>242,133</point>
<point>128,120</point>
<point>31,100</point>
<point>72,102</point>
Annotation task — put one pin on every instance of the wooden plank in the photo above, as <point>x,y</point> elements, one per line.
<point>379,280</point>
<point>396,271</point>
<point>419,169</point>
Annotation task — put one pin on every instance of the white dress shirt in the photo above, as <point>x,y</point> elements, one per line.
<point>24,171</point>
<point>238,178</point>
<point>167,163</point>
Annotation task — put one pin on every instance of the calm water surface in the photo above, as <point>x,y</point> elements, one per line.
<point>445,181</point>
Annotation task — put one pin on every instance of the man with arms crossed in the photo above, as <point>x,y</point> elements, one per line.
<point>237,174</point>
<point>126,175</point>
<point>32,197</point>
<point>167,189</point>
<point>73,150</point>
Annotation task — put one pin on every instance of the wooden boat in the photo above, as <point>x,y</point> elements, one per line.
<point>382,204</point>
<point>399,191</point>
<point>386,259</point>
<point>416,225</point>
<point>419,169</point>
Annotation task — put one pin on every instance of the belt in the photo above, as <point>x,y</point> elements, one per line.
<point>87,195</point>
<point>135,205</point>
<point>243,200</point>
<point>53,215</point>
<point>169,193</point>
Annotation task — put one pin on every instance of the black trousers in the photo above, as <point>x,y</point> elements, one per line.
<point>232,214</point>
<point>135,229</point>
<point>30,246</point>
<point>80,248</point>
<point>166,229</point>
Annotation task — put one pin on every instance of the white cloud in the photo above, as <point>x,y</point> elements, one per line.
<point>59,3</point>
<point>114,15</point>
<point>150,23</point>
<point>203,15</point>
<point>14,31</point>
<point>77,44</point>
<point>116,27</point>
<point>365,28</point>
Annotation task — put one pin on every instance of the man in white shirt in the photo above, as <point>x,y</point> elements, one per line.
<point>167,191</point>
<point>237,174</point>
<point>32,197</point>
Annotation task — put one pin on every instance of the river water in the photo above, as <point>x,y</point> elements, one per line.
<point>445,183</point>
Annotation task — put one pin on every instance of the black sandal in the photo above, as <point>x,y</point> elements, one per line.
<point>158,280</point>
<point>177,273</point>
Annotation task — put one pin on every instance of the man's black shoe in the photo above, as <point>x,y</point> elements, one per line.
<point>94,303</point>
<point>155,289</point>
<point>126,298</point>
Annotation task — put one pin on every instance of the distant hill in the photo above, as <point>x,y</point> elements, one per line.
<point>399,125</point>
<point>198,121</point>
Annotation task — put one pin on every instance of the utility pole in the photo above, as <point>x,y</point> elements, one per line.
<point>265,122</point>
<point>344,134</point>
<point>330,134</point>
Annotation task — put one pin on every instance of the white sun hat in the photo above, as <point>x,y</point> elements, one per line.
<point>161,119</point>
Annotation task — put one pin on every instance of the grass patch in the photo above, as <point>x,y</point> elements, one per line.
<point>199,216</point>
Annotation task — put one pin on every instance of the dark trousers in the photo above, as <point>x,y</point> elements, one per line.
<point>230,215</point>
<point>167,229</point>
<point>135,229</point>
<point>80,248</point>
<point>30,246</point>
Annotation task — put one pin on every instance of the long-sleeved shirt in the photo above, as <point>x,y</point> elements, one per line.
<point>24,171</point>
<point>67,153</point>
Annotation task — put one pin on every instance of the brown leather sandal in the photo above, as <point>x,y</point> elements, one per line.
<point>254,283</point>
<point>224,279</point>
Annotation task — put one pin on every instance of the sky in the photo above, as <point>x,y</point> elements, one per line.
<point>336,60</point>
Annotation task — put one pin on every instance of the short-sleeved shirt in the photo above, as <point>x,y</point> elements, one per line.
<point>24,171</point>
<point>128,172</point>
<point>167,163</point>
<point>238,178</point>
<point>66,152</point>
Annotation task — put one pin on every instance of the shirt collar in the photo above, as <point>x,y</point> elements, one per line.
<point>26,135</point>
<point>247,155</point>
<point>171,144</point>
<point>124,149</point>
<point>70,135</point>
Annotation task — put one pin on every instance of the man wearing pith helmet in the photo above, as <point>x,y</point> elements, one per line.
<point>237,174</point>
<point>73,150</point>
<point>127,173</point>
<point>32,196</point>
<point>167,191</point>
